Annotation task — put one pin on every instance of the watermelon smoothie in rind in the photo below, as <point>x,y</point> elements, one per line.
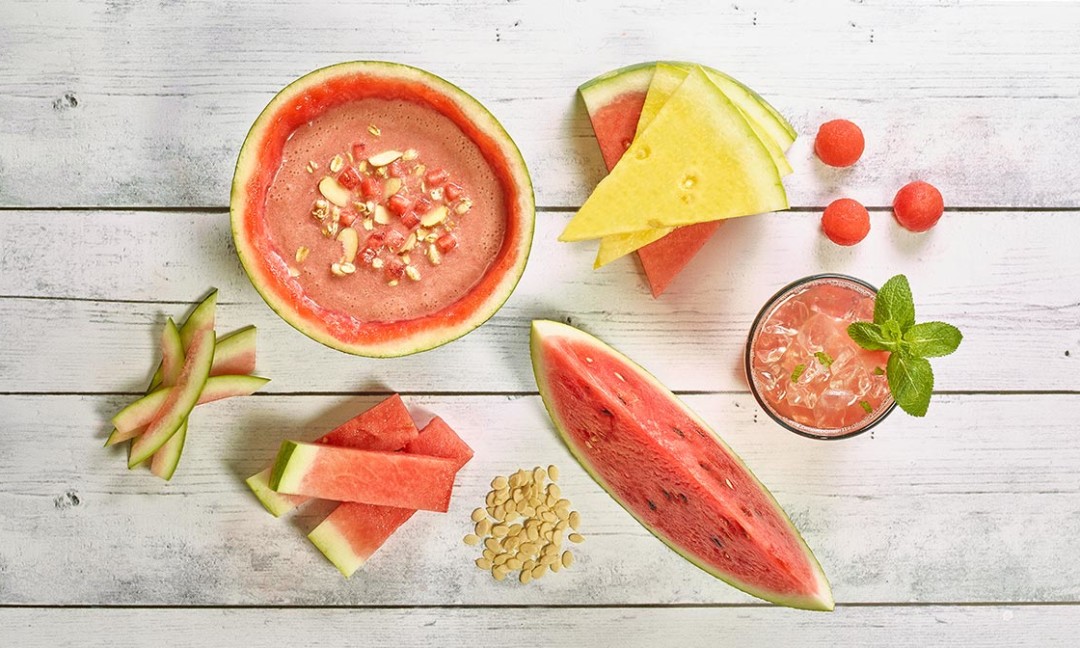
<point>664,465</point>
<point>381,210</point>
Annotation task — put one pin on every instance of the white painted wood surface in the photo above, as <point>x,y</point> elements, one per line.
<point>129,116</point>
<point>1011,281</point>
<point>977,502</point>
<point>888,627</point>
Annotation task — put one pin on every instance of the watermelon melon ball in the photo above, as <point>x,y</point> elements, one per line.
<point>839,143</point>
<point>845,222</point>
<point>918,206</point>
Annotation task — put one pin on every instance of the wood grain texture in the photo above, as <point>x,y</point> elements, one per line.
<point>130,103</point>
<point>977,502</point>
<point>1010,281</point>
<point>907,627</point>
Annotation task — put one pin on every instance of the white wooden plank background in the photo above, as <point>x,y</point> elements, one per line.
<point>990,626</point>
<point>127,116</point>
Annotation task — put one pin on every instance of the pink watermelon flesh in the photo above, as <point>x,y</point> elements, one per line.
<point>615,125</point>
<point>387,426</point>
<point>354,531</point>
<point>351,475</point>
<point>663,464</point>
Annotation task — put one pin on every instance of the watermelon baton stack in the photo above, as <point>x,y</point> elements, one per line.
<point>378,466</point>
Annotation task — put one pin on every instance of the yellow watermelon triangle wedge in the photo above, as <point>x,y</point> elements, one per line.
<point>698,161</point>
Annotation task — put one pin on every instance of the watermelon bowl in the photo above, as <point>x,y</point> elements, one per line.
<point>805,371</point>
<point>422,224</point>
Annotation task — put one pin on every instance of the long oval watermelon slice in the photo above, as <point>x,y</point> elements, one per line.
<point>663,464</point>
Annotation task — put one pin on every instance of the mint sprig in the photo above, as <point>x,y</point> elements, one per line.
<point>910,377</point>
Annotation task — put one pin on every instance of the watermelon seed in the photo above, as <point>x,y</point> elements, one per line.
<point>682,496</point>
<point>472,540</point>
<point>680,433</point>
<point>567,559</point>
<point>716,541</point>
<point>538,571</point>
<point>483,563</point>
<point>575,518</point>
<point>652,506</point>
<point>729,484</point>
<point>526,576</point>
<point>576,538</point>
<point>336,163</point>
<point>553,473</point>
<point>374,130</point>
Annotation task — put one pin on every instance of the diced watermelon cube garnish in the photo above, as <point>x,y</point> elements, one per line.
<point>423,205</point>
<point>437,177</point>
<point>396,169</point>
<point>410,220</point>
<point>394,239</point>
<point>370,187</point>
<point>349,178</point>
<point>399,204</point>
<point>348,217</point>
<point>446,242</point>
<point>369,254</point>
<point>358,151</point>
<point>395,268</point>
<point>376,239</point>
<point>452,191</point>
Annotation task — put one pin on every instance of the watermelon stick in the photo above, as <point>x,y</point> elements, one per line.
<point>189,384</point>
<point>386,426</point>
<point>351,475</point>
<point>353,532</point>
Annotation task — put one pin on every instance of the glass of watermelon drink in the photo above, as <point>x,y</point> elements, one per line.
<point>804,369</point>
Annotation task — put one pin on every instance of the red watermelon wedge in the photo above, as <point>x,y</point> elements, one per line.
<point>386,426</point>
<point>354,531</point>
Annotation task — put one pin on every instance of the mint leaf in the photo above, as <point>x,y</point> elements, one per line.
<point>933,339</point>
<point>894,302</point>
<point>824,358</point>
<point>869,336</point>
<point>911,381</point>
<point>866,406</point>
<point>893,335</point>
<point>797,372</point>
<point>879,371</point>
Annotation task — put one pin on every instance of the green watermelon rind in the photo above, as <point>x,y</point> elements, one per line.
<point>822,602</point>
<point>277,504</point>
<point>601,90</point>
<point>293,462</point>
<point>440,332</point>
<point>140,412</point>
<point>337,548</point>
<point>164,462</point>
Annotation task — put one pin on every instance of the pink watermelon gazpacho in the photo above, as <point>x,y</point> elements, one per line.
<point>381,210</point>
